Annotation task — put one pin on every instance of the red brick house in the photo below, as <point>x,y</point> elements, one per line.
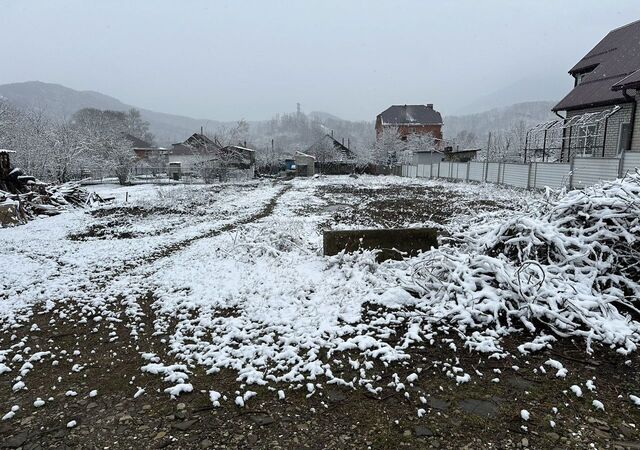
<point>411,119</point>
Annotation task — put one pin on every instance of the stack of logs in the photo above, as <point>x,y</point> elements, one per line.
<point>22,197</point>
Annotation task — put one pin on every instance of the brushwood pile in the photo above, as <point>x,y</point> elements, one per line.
<point>570,267</point>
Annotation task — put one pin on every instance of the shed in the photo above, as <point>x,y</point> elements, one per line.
<point>427,157</point>
<point>305,164</point>
<point>462,155</point>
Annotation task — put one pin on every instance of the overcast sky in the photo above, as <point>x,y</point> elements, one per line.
<point>250,59</point>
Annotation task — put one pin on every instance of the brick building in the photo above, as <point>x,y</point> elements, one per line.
<point>601,117</point>
<point>411,119</point>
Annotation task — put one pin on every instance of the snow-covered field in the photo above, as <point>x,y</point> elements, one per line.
<point>232,278</point>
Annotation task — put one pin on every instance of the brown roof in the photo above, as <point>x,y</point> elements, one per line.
<point>411,115</point>
<point>614,58</point>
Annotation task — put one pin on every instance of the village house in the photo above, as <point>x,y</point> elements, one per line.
<point>410,119</point>
<point>200,156</point>
<point>185,157</point>
<point>150,160</point>
<point>601,117</point>
<point>332,157</point>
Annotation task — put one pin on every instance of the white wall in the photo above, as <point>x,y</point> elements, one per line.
<point>476,171</point>
<point>516,175</point>
<point>580,173</point>
<point>588,171</point>
<point>551,175</point>
<point>631,162</point>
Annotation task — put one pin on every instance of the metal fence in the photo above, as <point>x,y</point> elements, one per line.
<point>579,173</point>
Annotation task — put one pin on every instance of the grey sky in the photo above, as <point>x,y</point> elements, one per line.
<point>231,59</point>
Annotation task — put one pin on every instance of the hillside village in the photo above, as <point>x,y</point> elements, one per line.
<point>417,280</point>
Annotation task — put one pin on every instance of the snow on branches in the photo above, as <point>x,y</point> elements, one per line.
<point>571,268</point>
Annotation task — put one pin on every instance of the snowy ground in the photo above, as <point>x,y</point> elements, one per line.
<point>220,296</point>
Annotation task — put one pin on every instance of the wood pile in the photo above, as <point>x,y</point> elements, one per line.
<point>22,198</point>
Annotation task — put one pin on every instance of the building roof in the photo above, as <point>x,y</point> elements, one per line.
<point>2,150</point>
<point>197,140</point>
<point>305,155</point>
<point>463,150</point>
<point>630,82</point>
<point>239,147</point>
<point>410,115</point>
<point>137,142</point>
<point>339,147</point>
<point>614,58</point>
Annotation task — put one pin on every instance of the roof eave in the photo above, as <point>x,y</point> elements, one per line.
<point>589,105</point>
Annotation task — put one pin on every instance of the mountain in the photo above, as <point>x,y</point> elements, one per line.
<point>497,119</point>
<point>60,102</point>
<point>521,91</point>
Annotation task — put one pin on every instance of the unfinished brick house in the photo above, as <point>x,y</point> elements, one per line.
<point>411,119</point>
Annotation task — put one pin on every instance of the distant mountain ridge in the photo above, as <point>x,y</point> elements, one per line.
<point>61,102</point>
<point>497,119</point>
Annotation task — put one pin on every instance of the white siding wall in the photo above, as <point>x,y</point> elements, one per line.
<point>588,171</point>
<point>476,171</point>
<point>631,162</point>
<point>445,170</point>
<point>551,175</point>
<point>493,172</point>
<point>459,171</point>
<point>516,175</point>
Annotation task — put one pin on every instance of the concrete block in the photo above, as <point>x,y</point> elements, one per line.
<point>391,242</point>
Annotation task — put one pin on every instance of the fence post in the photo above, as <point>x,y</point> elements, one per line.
<point>439,168</point>
<point>621,164</point>
<point>571,166</point>
<point>466,178</point>
<point>528,176</point>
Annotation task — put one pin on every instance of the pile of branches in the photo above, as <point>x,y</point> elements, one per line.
<point>573,268</point>
<point>30,198</point>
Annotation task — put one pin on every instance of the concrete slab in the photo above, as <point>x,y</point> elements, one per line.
<point>393,243</point>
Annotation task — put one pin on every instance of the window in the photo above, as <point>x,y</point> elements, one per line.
<point>580,77</point>
<point>624,137</point>
<point>586,142</point>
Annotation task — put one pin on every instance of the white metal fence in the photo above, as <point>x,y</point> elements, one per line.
<point>580,172</point>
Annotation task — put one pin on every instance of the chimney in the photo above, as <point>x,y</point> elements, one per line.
<point>245,144</point>
<point>430,105</point>
<point>201,131</point>
<point>343,142</point>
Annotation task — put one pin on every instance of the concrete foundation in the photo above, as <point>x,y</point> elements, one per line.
<point>392,243</point>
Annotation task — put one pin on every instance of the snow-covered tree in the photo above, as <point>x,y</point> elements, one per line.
<point>388,146</point>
